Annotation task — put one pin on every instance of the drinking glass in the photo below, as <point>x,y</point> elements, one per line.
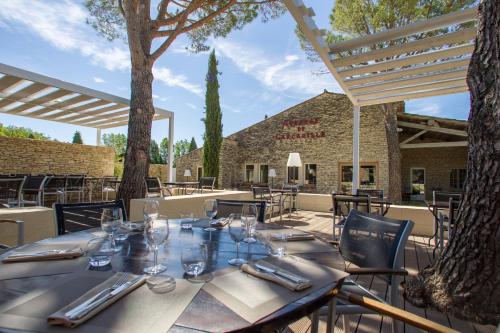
<point>110,221</point>
<point>210,208</point>
<point>249,219</point>
<point>237,234</point>
<point>187,220</point>
<point>98,254</point>
<point>194,260</point>
<point>156,231</point>
<point>277,244</point>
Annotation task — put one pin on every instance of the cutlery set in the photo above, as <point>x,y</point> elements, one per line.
<point>280,274</point>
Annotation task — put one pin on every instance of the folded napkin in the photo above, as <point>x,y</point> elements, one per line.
<point>293,237</point>
<point>277,278</point>
<point>56,254</point>
<point>220,223</point>
<point>104,295</point>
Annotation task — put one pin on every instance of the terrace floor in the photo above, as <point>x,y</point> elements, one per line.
<point>417,256</point>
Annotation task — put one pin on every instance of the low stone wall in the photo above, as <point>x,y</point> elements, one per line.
<point>40,156</point>
<point>159,170</point>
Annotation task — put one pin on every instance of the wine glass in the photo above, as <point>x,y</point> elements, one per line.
<point>111,218</point>
<point>249,219</point>
<point>210,208</point>
<point>194,260</point>
<point>237,234</point>
<point>156,231</point>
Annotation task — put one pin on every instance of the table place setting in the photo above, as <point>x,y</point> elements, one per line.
<point>293,236</point>
<point>42,252</point>
<point>265,270</point>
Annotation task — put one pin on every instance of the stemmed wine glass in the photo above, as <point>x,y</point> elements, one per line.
<point>111,218</point>
<point>237,234</point>
<point>210,208</point>
<point>156,230</point>
<point>249,219</point>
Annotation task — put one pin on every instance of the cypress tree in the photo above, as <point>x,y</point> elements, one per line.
<point>193,145</point>
<point>77,137</point>
<point>213,121</point>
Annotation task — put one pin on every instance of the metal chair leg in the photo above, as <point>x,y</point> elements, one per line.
<point>345,322</point>
<point>314,322</point>
<point>330,319</point>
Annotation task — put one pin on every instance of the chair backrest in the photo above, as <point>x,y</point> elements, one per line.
<point>453,210</point>
<point>55,183</point>
<point>371,193</point>
<point>440,196</point>
<point>373,241</point>
<point>291,187</point>
<point>261,192</point>
<point>227,207</point>
<point>74,217</point>
<point>207,182</point>
<point>10,190</point>
<point>348,202</point>
<point>35,183</point>
<point>153,184</point>
<point>75,182</point>
<point>109,182</point>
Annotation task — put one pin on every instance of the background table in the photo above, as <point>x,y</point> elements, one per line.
<point>205,313</point>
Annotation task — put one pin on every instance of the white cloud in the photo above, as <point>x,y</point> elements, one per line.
<point>191,105</point>
<point>230,108</point>
<point>425,108</point>
<point>63,25</point>
<point>98,80</point>
<point>288,73</point>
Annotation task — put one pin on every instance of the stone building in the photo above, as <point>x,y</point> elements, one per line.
<point>320,130</point>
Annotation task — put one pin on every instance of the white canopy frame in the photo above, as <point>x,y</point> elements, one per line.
<point>28,94</point>
<point>420,68</point>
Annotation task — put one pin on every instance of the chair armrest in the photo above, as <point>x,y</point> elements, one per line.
<point>396,313</point>
<point>375,270</point>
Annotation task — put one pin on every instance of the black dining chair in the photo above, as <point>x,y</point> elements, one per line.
<point>74,184</point>
<point>207,183</point>
<point>374,245</point>
<point>154,188</point>
<point>73,217</point>
<point>264,193</point>
<point>379,194</point>
<point>342,205</point>
<point>227,207</point>
<point>10,191</point>
<point>54,186</point>
<point>32,192</point>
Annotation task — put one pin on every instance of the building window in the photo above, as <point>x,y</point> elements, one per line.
<point>199,172</point>
<point>457,179</point>
<point>417,183</point>
<point>249,173</point>
<point>293,175</point>
<point>264,173</point>
<point>310,174</point>
<point>367,177</point>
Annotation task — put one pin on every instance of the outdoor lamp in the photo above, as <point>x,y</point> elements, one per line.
<point>187,173</point>
<point>294,161</point>
<point>272,174</point>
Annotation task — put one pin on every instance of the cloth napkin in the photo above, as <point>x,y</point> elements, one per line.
<point>293,237</point>
<point>59,317</point>
<point>43,255</point>
<point>248,268</point>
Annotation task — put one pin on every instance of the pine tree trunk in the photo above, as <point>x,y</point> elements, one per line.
<point>465,280</point>
<point>136,164</point>
<point>391,132</point>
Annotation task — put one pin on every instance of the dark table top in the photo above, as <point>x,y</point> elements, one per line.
<point>181,183</point>
<point>200,314</point>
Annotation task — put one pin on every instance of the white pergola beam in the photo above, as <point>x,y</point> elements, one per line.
<point>418,45</point>
<point>416,95</point>
<point>433,128</point>
<point>434,144</point>
<point>422,26</point>
<point>410,60</point>
<point>414,89</point>
<point>355,148</point>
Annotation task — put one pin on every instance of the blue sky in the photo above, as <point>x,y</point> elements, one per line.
<point>264,71</point>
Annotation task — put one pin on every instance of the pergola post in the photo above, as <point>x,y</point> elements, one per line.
<point>170,147</point>
<point>98,137</point>
<point>355,149</point>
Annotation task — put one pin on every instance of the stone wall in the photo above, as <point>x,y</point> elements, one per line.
<point>325,130</point>
<point>159,170</point>
<point>189,161</point>
<point>437,162</point>
<point>39,156</point>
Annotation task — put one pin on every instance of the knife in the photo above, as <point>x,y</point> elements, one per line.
<point>91,306</point>
<point>290,277</point>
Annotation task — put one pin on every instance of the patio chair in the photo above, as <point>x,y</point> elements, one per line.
<point>371,193</point>
<point>74,184</point>
<point>263,193</point>
<point>375,245</point>
<point>447,223</point>
<point>91,186</point>
<point>109,185</point>
<point>207,183</point>
<point>73,217</point>
<point>342,205</point>
<point>54,186</point>
<point>154,188</point>
<point>10,191</point>
<point>20,233</point>
<point>378,204</point>
<point>33,189</point>
<point>227,207</point>
<point>438,206</point>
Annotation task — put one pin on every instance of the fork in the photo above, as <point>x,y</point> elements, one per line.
<point>121,280</point>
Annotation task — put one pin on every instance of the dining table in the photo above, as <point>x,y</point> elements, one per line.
<point>183,186</point>
<point>222,298</point>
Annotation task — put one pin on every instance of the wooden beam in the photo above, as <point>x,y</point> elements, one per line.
<point>433,128</point>
<point>421,26</point>
<point>40,100</point>
<point>8,82</point>
<point>434,144</point>
<point>398,74</point>
<point>96,112</point>
<point>125,122</point>
<point>414,137</point>
<point>414,89</point>
<point>62,105</point>
<point>410,60</point>
<point>418,45</point>
<point>22,94</point>
<point>457,74</point>
<point>81,108</point>
<point>405,97</point>
<point>108,116</point>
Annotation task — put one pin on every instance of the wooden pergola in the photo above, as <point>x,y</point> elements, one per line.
<point>421,67</point>
<point>28,94</point>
